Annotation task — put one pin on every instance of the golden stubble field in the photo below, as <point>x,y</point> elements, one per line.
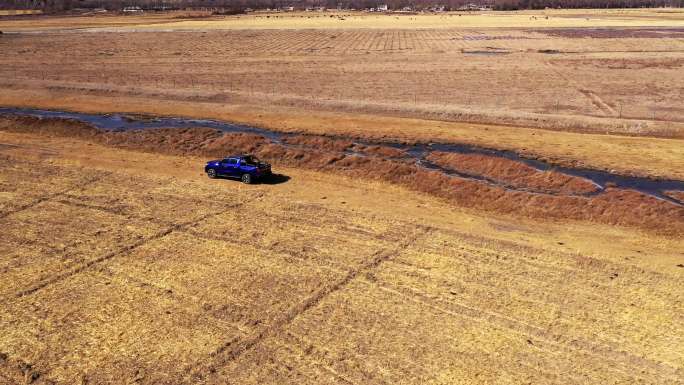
<point>625,80</point>
<point>118,266</point>
<point>128,267</point>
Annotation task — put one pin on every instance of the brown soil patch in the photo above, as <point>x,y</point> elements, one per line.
<point>514,174</point>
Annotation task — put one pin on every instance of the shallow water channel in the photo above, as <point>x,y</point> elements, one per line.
<point>417,152</point>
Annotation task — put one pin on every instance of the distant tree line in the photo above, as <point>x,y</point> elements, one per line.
<point>241,5</point>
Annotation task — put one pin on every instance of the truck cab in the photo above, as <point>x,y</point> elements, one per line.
<point>247,168</point>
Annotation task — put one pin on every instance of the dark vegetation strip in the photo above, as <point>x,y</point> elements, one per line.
<point>619,202</point>
<point>350,146</point>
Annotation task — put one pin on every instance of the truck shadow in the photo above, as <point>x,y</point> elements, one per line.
<point>271,180</point>
<point>275,179</point>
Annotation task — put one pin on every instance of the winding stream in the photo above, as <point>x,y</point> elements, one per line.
<point>417,152</point>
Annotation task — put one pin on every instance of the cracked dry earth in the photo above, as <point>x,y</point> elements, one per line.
<point>119,266</point>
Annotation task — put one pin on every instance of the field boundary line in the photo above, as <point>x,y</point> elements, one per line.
<point>45,198</point>
<point>298,341</point>
<point>523,251</point>
<point>326,265</point>
<point>591,96</point>
<point>235,348</point>
<point>180,297</point>
<point>621,360</point>
<point>106,210</point>
<point>126,249</point>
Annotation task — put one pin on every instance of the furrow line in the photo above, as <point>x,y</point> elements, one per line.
<point>121,251</point>
<point>51,196</point>
<point>622,361</point>
<point>235,348</point>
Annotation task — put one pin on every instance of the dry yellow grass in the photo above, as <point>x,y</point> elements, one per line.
<point>50,22</point>
<point>126,267</point>
<point>13,12</point>
<point>120,266</point>
<point>362,20</point>
<point>448,20</point>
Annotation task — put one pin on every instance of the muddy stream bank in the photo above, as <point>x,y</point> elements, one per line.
<point>449,158</point>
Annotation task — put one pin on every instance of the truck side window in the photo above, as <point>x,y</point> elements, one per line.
<point>232,161</point>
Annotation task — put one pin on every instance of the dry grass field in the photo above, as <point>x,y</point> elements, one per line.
<point>626,81</point>
<point>194,20</point>
<point>401,81</point>
<point>122,263</point>
<point>14,12</point>
<point>129,267</point>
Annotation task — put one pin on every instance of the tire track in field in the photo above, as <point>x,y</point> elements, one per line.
<point>598,102</point>
<point>197,234</point>
<point>621,361</point>
<point>327,265</point>
<point>236,347</point>
<point>346,228</point>
<point>110,211</point>
<point>126,249</point>
<point>181,298</point>
<point>610,350</point>
<point>591,96</point>
<point>17,371</point>
<point>326,356</point>
<point>45,198</point>
<point>305,347</point>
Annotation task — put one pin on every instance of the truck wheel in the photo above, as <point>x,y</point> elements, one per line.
<point>211,173</point>
<point>246,178</point>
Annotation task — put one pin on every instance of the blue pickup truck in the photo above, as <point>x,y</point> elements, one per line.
<point>246,167</point>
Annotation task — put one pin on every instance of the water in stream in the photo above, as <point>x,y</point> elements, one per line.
<point>418,152</point>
